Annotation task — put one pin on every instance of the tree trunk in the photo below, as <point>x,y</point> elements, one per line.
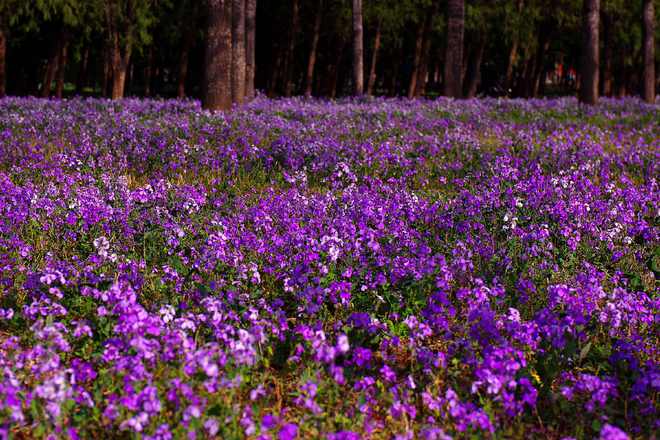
<point>423,70</point>
<point>61,68</point>
<point>374,57</point>
<point>513,53</point>
<point>183,62</point>
<point>275,73</point>
<point>648,81</point>
<point>218,54</point>
<point>358,56</point>
<point>454,52</point>
<point>250,45</point>
<point>149,72</point>
<point>311,61</point>
<point>51,69</point>
<point>238,51</point>
<point>606,69</point>
<point>473,76</point>
<point>589,57</point>
<point>119,66</point>
<point>539,65</point>
<point>289,60</point>
<point>333,70</point>
<point>81,80</point>
<point>3,66</point>
<point>419,42</point>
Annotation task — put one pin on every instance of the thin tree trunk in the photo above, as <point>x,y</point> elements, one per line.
<point>454,52</point>
<point>374,57</point>
<point>250,46</point>
<point>183,62</point>
<point>51,69</point>
<point>3,65</point>
<point>539,65</point>
<point>61,67</point>
<point>473,76</point>
<point>334,70</point>
<point>648,81</point>
<point>311,61</point>
<point>81,80</point>
<point>419,42</point>
<point>358,43</point>
<point>275,73</point>
<point>107,72</point>
<point>119,59</point>
<point>606,70</point>
<point>149,71</point>
<point>120,63</point>
<point>589,57</point>
<point>288,67</point>
<point>513,53</point>
<point>217,90</point>
<point>423,70</point>
<point>238,52</point>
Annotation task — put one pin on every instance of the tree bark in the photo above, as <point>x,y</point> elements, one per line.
<point>419,42</point>
<point>539,65</point>
<point>51,69</point>
<point>606,65</point>
<point>473,76</point>
<point>120,58</point>
<point>589,57</point>
<point>238,51</point>
<point>358,56</point>
<point>648,81</point>
<point>81,80</point>
<point>454,51</point>
<point>218,54</point>
<point>61,67</point>
<point>250,46</point>
<point>288,66</point>
<point>374,57</point>
<point>513,53</point>
<point>107,72</point>
<point>423,69</point>
<point>186,44</point>
<point>3,65</point>
<point>119,66</point>
<point>311,61</point>
<point>149,71</point>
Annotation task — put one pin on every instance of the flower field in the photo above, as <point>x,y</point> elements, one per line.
<point>306,269</point>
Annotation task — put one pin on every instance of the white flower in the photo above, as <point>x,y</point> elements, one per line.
<point>342,343</point>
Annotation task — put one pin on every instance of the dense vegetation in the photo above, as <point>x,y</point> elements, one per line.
<point>306,269</point>
<point>524,48</point>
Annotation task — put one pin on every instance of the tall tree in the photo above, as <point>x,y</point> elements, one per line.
<point>188,15</point>
<point>358,55</point>
<point>290,49</point>
<point>311,60</point>
<point>371,81</point>
<point>62,61</point>
<point>648,81</point>
<point>515,41</point>
<point>3,57</point>
<point>250,46</point>
<point>589,56</point>
<point>218,56</point>
<point>473,75</point>
<point>454,51</point>
<point>238,51</point>
<point>127,24</point>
